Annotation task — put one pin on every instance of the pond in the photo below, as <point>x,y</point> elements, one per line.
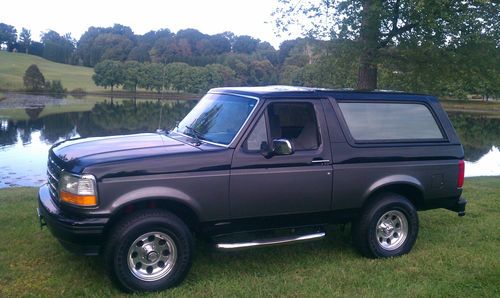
<point>27,133</point>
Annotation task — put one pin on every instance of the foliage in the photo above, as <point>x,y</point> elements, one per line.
<point>378,25</point>
<point>132,72</point>
<point>109,74</point>
<point>25,39</point>
<point>8,36</point>
<point>245,44</point>
<point>417,49</point>
<point>177,75</point>
<point>33,78</point>
<point>58,48</point>
<point>55,88</point>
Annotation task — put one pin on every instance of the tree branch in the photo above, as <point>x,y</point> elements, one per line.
<point>395,15</point>
<point>395,32</point>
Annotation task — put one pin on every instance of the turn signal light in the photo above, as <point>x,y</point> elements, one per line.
<point>79,200</point>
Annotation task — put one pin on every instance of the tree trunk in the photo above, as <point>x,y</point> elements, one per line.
<point>369,34</point>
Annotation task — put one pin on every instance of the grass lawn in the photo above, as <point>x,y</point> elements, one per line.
<point>452,257</point>
<point>13,66</point>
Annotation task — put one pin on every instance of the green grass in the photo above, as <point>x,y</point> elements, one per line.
<point>452,257</point>
<point>13,66</point>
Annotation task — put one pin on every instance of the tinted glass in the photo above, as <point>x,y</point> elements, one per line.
<point>258,136</point>
<point>390,121</point>
<point>295,122</point>
<point>217,118</point>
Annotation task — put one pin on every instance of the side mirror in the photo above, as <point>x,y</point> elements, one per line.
<point>282,147</point>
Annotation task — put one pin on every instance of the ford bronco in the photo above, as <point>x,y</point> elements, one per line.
<point>251,167</point>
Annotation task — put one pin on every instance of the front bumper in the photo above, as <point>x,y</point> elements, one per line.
<point>77,234</point>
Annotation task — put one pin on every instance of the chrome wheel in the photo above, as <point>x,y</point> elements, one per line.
<point>392,230</point>
<point>152,256</point>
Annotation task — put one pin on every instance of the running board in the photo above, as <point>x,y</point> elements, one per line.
<point>269,242</point>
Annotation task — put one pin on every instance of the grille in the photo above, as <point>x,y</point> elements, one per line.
<point>53,175</point>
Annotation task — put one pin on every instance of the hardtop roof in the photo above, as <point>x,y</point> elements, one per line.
<point>294,92</point>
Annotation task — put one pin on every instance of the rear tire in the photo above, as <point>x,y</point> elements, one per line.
<point>387,227</point>
<point>150,250</point>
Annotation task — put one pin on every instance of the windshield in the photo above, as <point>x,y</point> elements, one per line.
<point>217,118</point>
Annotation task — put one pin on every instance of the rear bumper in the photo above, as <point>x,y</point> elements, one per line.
<point>458,206</point>
<point>78,235</point>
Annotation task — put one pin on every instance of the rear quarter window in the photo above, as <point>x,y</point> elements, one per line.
<point>383,121</point>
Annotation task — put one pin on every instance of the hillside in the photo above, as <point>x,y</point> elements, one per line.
<point>13,66</point>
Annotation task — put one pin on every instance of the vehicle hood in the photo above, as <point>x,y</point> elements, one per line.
<point>77,154</point>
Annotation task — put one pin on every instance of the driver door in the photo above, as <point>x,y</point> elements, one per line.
<point>283,184</point>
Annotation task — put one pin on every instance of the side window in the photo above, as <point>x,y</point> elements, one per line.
<point>295,122</point>
<point>257,136</point>
<point>390,121</point>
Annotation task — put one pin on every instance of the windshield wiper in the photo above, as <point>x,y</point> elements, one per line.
<point>196,134</point>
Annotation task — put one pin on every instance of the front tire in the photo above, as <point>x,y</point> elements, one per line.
<point>387,227</point>
<point>150,250</point>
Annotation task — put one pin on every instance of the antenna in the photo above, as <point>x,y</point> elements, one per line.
<point>159,130</point>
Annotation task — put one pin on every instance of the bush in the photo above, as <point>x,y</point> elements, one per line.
<point>54,88</point>
<point>33,78</point>
<point>78,92</point>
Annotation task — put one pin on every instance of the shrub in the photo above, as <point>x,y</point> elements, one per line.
<point>33,78</point>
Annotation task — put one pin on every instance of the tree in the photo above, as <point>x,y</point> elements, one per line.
<point>132,72</point>
<point>98,44</point>
<point>153,77</point>
<point>58,48</point>
<point>245,44</point>
<point>33,78</point>
<point>25,39</point>
<point>379,25</point>
<point>108,74</point>
<point>8,36</point>
<point>111,46</point>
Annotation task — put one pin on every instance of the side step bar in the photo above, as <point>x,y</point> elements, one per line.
<point>269,242</point>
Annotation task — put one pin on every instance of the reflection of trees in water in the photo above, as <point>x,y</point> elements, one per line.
<point>22,128</point>
<point>106,118</point>
<point>130,116</point>
<point>34,112</point>
<point>477,133</point>
<point>8,134</point>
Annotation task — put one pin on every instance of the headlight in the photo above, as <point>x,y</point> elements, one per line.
<point>78,190</point>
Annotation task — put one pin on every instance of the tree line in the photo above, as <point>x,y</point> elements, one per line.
<point>157,77</point>
<point>447,48</point>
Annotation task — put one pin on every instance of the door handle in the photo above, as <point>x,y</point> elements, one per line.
<point>318,161</point>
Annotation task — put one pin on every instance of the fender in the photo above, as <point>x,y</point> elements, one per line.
<point>392,180</point>
<point>157,192</point>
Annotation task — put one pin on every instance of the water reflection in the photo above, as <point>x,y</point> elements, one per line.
<point>478,133</point>
<point>26,138</point>
<point>24,143</point>
<point>487,165</point>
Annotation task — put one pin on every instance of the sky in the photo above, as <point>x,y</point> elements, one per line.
<point>242,17</point>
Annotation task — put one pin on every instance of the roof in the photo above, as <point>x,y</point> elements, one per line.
<point>294,91</point>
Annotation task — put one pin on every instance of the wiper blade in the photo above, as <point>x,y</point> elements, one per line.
<point>196,134</point>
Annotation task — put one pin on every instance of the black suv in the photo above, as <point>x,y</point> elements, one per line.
<point>251,167</point>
